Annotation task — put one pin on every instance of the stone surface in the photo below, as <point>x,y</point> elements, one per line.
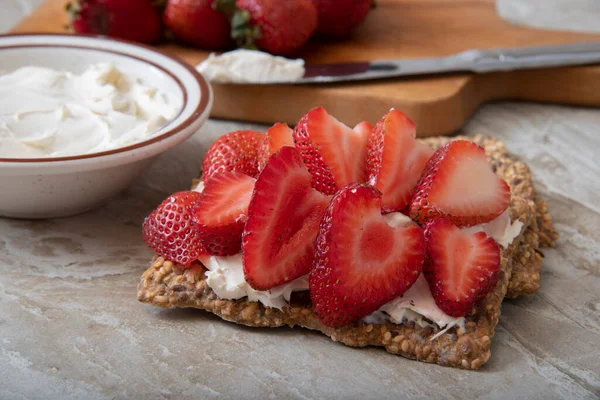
<point>70,327</point>
<point>13,10</point>
<point>567,15</point>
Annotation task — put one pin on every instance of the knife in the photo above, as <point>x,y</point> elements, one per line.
<point>477,60</point>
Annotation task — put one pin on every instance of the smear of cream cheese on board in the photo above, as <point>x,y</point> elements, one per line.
<point>250,66</point>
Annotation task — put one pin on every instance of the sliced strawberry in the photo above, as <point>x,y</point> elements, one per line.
<point>278,136</point>
<point>334,153</point>
<point>235,151</point>
<point>461,268</point>
<point>364,128</point>
<point>169,229</point>
<point>458,183</point>
<point>395,159</point>
<point>283,220</point>
<point>361,262</point>
<point>222,212</point>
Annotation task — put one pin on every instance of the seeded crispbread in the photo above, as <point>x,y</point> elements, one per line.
<point>165,285</point>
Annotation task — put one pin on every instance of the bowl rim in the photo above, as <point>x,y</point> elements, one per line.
<point>205,91</point>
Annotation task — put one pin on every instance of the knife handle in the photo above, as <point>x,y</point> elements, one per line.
<point>532,57</point>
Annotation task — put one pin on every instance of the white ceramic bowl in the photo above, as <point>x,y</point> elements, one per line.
<point>57,187</point>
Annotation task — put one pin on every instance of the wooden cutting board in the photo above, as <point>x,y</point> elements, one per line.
<point>398,29</point>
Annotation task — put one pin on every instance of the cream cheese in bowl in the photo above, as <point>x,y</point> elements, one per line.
<point>50,113</point>
<point>82,117</point>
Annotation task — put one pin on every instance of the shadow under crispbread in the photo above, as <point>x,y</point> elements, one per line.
<point>164,285</point>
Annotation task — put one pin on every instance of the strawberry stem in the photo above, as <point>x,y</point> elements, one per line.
<point>242,31</point>
<point>73,9</point>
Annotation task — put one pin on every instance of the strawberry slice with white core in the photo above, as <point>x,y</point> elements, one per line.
<point>170,231</point>
<point>395,159</point>
<point>458,183</point>
<point>334,153</point>
<point>364,128</point>
<point>283,221</point>
<point>461,268</point>
<point>222,211</point>
<point>361,262</point>
<point>396,219</point>
<point>278,136</point>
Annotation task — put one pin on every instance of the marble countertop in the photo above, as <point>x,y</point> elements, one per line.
<point>71,328</point>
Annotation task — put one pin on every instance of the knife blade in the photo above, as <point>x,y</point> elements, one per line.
<point>476,60</point>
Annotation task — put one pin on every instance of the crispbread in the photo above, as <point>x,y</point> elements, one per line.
<point>164,285</point>
<point>527,264</point>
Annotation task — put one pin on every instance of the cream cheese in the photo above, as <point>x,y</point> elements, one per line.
<point>414,305</point>
<point>225,276</point>
<point>199,187</point>
<point>250,66</point>
<point>500,229</point>
<point>397,219</point>
<point>50,113</point>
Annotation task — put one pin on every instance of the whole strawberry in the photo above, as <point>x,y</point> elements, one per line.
<point>338,17</point>
<point>170,231</point>
<point>135,20</point>
<point>235,151</point>
<point>196,22</point>
<point>278,27</point>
